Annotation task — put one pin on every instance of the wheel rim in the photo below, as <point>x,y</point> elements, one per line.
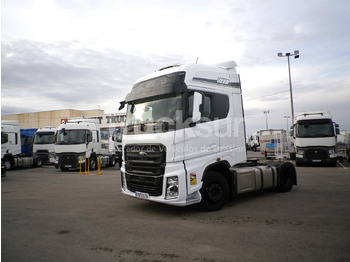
<point>214,192</point>
<point>8,164</point>
<point>93,163</point>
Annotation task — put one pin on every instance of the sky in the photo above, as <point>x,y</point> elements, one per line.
<point>86,54</point>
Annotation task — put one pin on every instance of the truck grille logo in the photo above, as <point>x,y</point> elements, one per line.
<point>142,154</point>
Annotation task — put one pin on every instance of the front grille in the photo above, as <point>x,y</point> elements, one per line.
<point>43,154</point>
<point>316,154</point>
<point>68,159</point>
<point>145,165</point>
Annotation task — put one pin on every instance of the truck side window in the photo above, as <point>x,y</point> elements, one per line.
<point>4,138</point>
<point>215,106</point>
<point>190,106</point>
<point>221,106</point>
<point>207,107</point>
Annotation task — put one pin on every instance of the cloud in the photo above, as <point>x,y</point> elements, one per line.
<point>56,76</point>
<point>85,54</point>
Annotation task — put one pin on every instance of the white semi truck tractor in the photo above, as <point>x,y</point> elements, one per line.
<point>12,155</point>
<point>44,144</point>
<point>78,145</point>
<point>315,136</point>
<point>184,140</point>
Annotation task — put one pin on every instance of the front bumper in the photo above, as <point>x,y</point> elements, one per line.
<point>171,170</point>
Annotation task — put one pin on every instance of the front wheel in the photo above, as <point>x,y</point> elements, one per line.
<point>93,163</point>
<point>215,192</point>
<point>8,163</point>
<point>39,162</point>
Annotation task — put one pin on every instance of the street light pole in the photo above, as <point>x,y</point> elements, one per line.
<point>266,112</point>
<point>287,123</point>
<point>296,55</point>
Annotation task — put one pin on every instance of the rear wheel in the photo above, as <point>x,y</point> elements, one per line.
<point>287,174</point>
<point>215,192</point>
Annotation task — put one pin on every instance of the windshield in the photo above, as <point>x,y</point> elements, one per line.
<point>71,136</point>
<point>44,138</point>
<point>154,115</point>
<point>315,128</point>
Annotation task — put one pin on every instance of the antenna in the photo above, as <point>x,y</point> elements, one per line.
<point>197,59</point>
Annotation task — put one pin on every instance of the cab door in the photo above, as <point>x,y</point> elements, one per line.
<point>200,137</point>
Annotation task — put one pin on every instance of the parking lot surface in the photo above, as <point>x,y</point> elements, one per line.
<point>49,215</point>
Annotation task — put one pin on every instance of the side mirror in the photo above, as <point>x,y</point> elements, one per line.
<point>89,137</point>
<point>197,101</point>
<point>337,130</point>
<point>292,131</point>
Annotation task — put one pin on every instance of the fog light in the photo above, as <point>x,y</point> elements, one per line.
<point>172,188</point>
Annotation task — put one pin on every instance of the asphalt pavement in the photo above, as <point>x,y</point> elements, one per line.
<point>50,215</point>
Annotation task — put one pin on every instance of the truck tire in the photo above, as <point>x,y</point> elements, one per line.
<point>112,161</point>
<point>215,192</point>
<point>64,169</point>
<point>8,163</point>
<point>93,163</point>
<point>287,176</point>
<point>38,162</point>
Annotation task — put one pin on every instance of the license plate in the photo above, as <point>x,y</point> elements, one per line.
<point>316,160</point>
<point>67,165</point>
<point>142,195</point>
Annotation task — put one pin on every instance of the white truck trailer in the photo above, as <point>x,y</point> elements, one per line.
<point>44,144</point>
<point>78,145</point>
<point>315,136</point>
<point>184,140</point>
<point>273,143</point>
<point>11,153</point>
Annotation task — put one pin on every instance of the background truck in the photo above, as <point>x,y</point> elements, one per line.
<point>315,136</point>
<point>44,144</point>
<point>253,142</point>
<point>79,144</point>
<point>273,143</point>
<point>184,140</point>
<point>27,139</point>
<point>11,146</point>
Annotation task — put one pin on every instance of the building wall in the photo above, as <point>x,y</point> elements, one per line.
<point>54,118</point>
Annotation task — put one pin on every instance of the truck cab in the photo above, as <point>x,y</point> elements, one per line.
<point>315,138</point>
<point>78,142</point>
<point>11,146</point>
<point>10,138</point>
<point>44,144</point>
<point>183,123</point>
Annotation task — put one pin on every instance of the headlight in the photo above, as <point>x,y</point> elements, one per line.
<point>300,153</point>
<point>81,159</point>
<point>172,187</point>
<point>331,153</point>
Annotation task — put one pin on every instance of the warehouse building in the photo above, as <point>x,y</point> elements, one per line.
<point>108,122</point>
